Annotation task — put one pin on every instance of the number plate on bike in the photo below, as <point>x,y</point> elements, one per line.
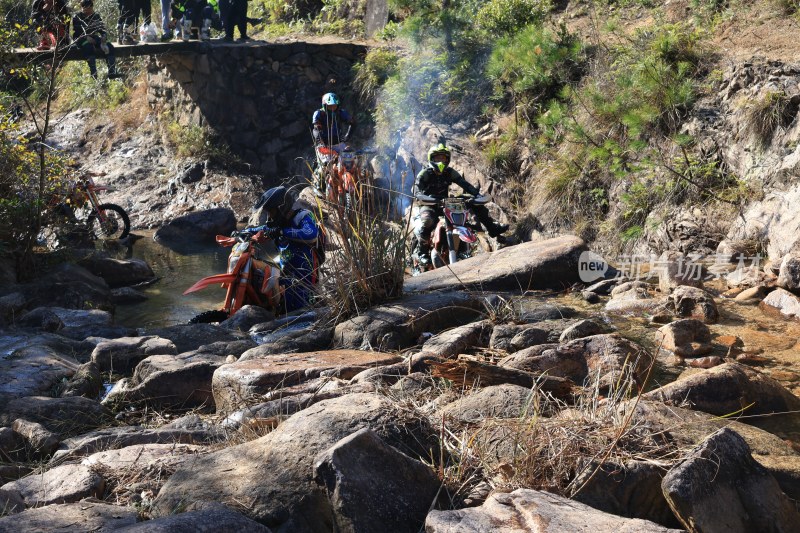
<point>454,204</point>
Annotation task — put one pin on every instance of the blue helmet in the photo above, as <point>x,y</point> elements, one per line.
<point>329,99</point>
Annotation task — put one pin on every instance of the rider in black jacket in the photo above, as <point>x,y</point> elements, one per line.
<point>434,180</point>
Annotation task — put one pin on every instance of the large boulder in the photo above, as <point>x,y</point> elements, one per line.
<point>789,272</point>
<point>69,286</point>
<point>549,264</point>
<point>87,382</point>
<point>64,416</point>
<point>304,339</point>
<point>456,341</point>
<point>188,337</point>
<point>685,338</point>
<point>118,272</point>
<point>214,517</point>
<point>123,354</point>
<point>238,382</point>
<point>728,389</point>
<point>200,227</point>
<point>400,323</point>
<point>720,487</point>
<point>372,487</point>
<point>499,401</point>
<point>676,269</point>
<point>525,511</point>
<point>87,515</point>
<point>33,371</point>
<point>62,484</point>
<point>40,440</point>
<point>274,474</point>
<point>691,302</point>
<point>782,303</point>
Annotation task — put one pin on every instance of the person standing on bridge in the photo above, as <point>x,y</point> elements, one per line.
<point>51,18</point>
<point>126,23</point>
<point>234,15</point>
<point>90,35</point>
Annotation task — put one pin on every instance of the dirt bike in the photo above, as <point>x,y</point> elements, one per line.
<point>249,280</point>
<point>105,221</point>
<point>453,239</point>
<point>347,177</point>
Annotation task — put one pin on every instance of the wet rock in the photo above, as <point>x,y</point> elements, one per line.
<point>782,303</point>
<point>720,487</point>
<point>213,517</point>
<point>352,469</point>
<point>123,354</point>
<point>631,489</point>
<point>188,337</point>
<point>33,370</point>
<point>86,515</point>
<point>677,269</point>
<point>584,328</point>
<point>308,339</point>
<point>546,312</point>
<point>247,317</point>
<point>549,264</point>
<point>637,290</point>
<point>275,471</point>
<point>118,272</point>
<point>527,510</point>
<point>127,295</point>
<point>196,228</point>
<point>121,437</point>
<point>237,382</point>
<point>605,286</point>
<point>62,484</point>
<point>399,324</point>
<point>691,302</point>
<point>458,340</point>
<point>789,272</point>
<point>499,401</point>
<point>65,416</point>
<point>87,382</point>
<point>686,338</point>
<point>727,389</point>
<point>39,439</point>
<point>41,318</point>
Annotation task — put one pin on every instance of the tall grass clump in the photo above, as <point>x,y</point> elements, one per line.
<point>379,64</point>
<point>506,17</point>
<point>766,114</point>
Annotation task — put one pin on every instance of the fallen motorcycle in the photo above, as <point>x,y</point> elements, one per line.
<point>454,238</point>
<point>249,280</point>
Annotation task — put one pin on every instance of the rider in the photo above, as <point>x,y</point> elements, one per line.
<point>434,181</point>
<point>325,128</point>
<point>295,232</point>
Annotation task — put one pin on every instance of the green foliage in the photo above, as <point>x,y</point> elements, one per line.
<point>506,17</point>
<point>768,113</point>
<point>275,11</point>
<point>78,89</point>
<point>378,65</point>
<point>199,143</point>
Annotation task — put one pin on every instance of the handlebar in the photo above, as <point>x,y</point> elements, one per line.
<point>468,198</point>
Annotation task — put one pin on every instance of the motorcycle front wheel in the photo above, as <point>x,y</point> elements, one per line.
<point>207,317</point>
<point>116,225</point>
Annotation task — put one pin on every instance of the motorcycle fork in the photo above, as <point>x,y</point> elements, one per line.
<point>451,245</point>
<point>101,213</point>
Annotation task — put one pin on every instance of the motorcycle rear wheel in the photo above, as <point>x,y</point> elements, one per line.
<point>116,226</point>
<point>207,317</point>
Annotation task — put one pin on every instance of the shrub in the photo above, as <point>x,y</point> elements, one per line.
<point>378,65</point>
<point>506,17</point>
<point>766,114</point>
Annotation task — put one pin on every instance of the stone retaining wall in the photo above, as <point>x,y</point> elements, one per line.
<point>259,97</point>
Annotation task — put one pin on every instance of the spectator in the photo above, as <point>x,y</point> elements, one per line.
<point>52,22</point>
<point>126,23</point>
<point>90,35</point>
<point>143,7</point>
<point>234,15</point>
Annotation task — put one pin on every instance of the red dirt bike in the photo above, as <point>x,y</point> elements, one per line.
<point>454,238</point>
<point>249,280</point>
<point>104,221</point>
<point>347,177</point>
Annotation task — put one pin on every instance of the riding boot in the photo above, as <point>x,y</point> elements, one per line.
<point>92,66</point>
<point>422,250</point>
<point>205,31</point>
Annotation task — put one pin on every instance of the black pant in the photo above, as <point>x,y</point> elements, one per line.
<point>90,53</point>
<point>143,7</point>
<point>237,16</point>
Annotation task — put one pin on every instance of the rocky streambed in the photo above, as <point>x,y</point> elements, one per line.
<point>504,395</point>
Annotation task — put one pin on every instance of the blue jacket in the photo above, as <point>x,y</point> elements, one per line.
<point>327,125</point>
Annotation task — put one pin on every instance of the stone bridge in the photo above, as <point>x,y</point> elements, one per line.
<point>257,96</point>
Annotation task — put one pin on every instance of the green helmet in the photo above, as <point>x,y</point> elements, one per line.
<point>439,149</point>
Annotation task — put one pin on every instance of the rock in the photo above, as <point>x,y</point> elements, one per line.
<point>65,416</point>
<point>676,269</point>
<point>118,272</point>
<point>142,457</point>
<point>87,382</point>
<point>720,487</point>
<point>457,340</point>
<point>590,297</point>
<point>583,328</point>
<point>691,302</point>
<point>11,444</point>
<point>12,306</point>
<point>546,312</point>
<point>196,228</point>
<point>247,317</point>
<point>309,339</point>
<point>274,472</point>
<point>706,362</point>
<point>636,306</point>
<point>549,264</point>
<point>188,337</point>
<point>685,338</point>
<point>62,484</point>
<point>11,472</point>
<point>789,272</point>
<point>746,277</point>
<point>637,290</point>
<point>32,371</point>
<point>121,437</point>
<point>68,286</point>
<point>372,487</point>
<point>10,503</point>
<point>513,338</point>
<point>237,382</point>
<point>399,324</point>
<point>41,441</point>
<point>753,293</point>
<point>605,286</point>
<point>500,401</point>
<point>727,389</point>
<point>123,354</point>
<point>83,318</point>
<point>87,515</point>
<point>525,510</point>
<point>41,318</point>
<point>213,517</point>
<point>192,172</point>
<point>127,295</point>
<point>782,303</point>
<point>632,490</point>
